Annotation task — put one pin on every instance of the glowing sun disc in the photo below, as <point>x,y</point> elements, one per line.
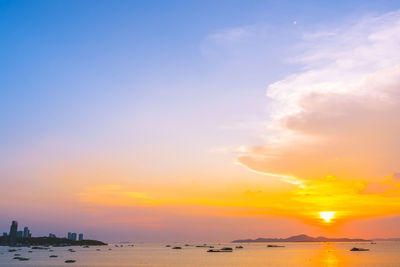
<point>327,216</point>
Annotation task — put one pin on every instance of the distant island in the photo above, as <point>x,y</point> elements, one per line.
<point>300,238</point>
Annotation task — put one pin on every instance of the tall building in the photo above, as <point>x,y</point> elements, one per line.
<point>20,234</point>
<point>80,237</point>
<point>52,235</point>
<point>13,233</point>
<point>69,235</point>
<point>73,236</point>
<point>26,232</point>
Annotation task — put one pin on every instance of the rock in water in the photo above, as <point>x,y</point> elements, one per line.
<point>359,249</point>
<point>21,258</point>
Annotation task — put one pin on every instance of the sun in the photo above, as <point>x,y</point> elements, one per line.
<point>327,216</point>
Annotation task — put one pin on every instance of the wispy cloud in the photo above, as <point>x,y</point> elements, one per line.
<point>232,34</point>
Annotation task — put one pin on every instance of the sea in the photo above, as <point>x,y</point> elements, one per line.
<point>383,254</point>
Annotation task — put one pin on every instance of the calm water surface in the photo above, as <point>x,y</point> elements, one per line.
<point>382,254</point>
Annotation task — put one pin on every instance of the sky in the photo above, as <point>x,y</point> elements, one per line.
<point>199,121</point>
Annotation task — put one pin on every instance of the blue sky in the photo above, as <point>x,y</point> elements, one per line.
<point>62,62</point>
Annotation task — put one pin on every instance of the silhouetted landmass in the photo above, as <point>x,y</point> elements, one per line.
<point>54,241</point>
<point>299,238</point>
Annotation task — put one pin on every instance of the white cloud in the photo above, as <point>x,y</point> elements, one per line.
<point>339,115</point>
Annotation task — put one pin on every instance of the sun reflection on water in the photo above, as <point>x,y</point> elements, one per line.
<point>330,256</point>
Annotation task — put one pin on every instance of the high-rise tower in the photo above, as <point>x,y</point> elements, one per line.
<point>13,233</point>
<point>26,232</point>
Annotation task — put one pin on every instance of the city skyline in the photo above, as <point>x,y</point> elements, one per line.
<point>194,121</point>
<point>14,236</point>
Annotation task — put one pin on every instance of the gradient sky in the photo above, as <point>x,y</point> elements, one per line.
<point>200,120</point>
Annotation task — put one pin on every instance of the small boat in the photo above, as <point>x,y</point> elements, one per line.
<point>168,246</point>
<point>275,246</point>
<point>53,256</point>
<point>177,248</point>
<point>359,249</point>
<point>70,261</point>
<point>239,246</point>
<point>226,249</point>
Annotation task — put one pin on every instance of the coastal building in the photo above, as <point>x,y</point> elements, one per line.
<point>52,235</point>
<point>69,235</point>
<point>80,237</point>
<point>4,239</point>
<point>20,234</point>
<point>73,236</point>
<point>26,232</point>
<point>13,233</point>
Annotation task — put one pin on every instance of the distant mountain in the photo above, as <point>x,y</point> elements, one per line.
<point>300,238</point>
